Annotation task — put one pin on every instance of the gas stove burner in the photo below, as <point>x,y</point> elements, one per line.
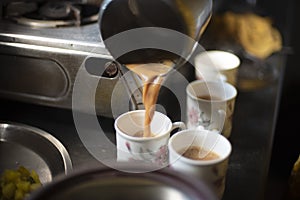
<point>57,10</point>
<point>20,8</point>
<point>54,14</point>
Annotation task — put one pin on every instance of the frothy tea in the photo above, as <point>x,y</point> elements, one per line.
<point>194,153</point>
<point>152,77</point>
<point>209,98</point>
<point>141,134</point>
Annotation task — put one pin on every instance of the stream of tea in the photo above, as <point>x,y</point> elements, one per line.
<point>152,76</point>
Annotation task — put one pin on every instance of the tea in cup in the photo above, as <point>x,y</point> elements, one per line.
<point>210,104</point>
<point>203,154</point>
<point>133,147</point>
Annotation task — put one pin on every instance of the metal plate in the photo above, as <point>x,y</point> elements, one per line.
<point>111,184</point>
<point>34,149</point>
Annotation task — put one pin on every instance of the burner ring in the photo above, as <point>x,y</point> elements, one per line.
<point>52,23</point>
<point>54,10</point>
<point>59,14</point>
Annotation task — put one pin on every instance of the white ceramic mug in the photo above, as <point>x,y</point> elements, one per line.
<point>214,114</point>
<point>152,150</point>
<point>212,172</point>
<point>217,64</point>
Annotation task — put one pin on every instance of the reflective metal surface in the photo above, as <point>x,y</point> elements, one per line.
<point>40,64</point>
<point>35,149</point>
<point>33,56</point>
<point>187,17</point>
<point>111,184</point>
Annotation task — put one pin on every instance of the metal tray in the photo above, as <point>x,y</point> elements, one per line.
<point>33,148</point>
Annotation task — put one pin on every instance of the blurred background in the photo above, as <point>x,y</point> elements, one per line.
<point>286,145</point>
<point>286,148</point>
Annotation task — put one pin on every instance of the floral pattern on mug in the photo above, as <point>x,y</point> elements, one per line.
<point>198,118</point>
<point>159,157</point>
<point>193,116</point>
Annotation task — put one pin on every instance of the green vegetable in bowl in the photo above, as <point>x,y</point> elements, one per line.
<point>17,184</point>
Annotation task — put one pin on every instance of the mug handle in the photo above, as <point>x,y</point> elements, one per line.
<point>222,114</point>
<point>179,125</point>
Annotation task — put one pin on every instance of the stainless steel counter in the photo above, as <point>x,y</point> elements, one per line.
<point>252,136</point>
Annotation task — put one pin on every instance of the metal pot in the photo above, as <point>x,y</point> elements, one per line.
<point>188,17</point>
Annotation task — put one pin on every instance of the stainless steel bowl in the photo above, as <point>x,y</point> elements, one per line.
<point>112,184</point>
<point>33,148</point>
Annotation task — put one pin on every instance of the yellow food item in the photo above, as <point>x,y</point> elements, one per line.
<point>17,184</point>
<point>257,36</point>
<point>294,182</point>
<point>254,33</point>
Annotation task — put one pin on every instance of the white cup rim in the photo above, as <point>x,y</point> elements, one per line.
<point>142,139</point>
<point>227,85</point>
<point>199,162</point>
<point>211,55</point>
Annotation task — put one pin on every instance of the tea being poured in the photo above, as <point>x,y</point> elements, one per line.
<point>148,32</point>
<point>152,76</point>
